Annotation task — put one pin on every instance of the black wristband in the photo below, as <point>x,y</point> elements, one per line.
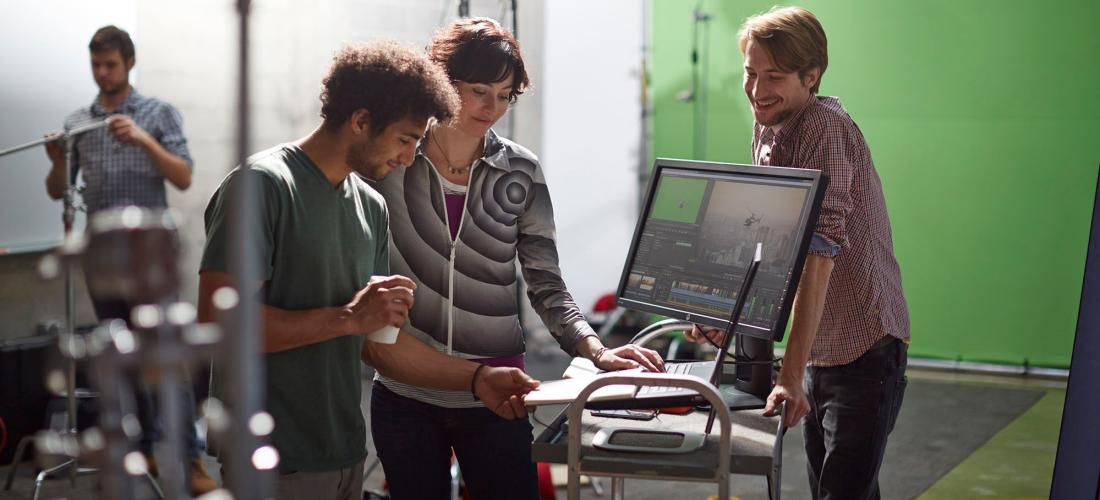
<point>473,380</point>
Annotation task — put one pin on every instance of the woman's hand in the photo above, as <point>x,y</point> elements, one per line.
<point>627,357</point>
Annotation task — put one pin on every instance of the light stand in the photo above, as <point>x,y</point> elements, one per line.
<point>697,93</point>
<point>68,216</point>
<point>133,255</point>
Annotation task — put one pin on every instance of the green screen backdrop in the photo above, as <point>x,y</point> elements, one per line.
<point>983,119</point>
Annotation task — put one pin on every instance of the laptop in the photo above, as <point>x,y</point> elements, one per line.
<point>711,371</point>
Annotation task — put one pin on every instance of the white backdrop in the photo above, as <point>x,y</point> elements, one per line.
<point>591,109</point>
<point>581,117</point>
<point>46,76</point>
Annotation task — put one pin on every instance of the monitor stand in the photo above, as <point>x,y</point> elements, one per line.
<point>752,381</point>
<point>737,399</point>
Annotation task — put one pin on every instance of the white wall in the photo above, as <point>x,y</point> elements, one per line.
<point>591,109</point>
<point>186,54</point>
<point>46,77</point>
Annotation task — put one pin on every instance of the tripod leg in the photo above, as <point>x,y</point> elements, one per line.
<point>16,460</point>
<point>153,484</point>
<point>52,471</point>
<point>597,485</point>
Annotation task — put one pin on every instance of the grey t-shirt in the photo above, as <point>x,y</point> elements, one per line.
<point>318,245</point>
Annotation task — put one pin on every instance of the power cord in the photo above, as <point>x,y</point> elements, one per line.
<point>773,361</point>
<point>534,416</point>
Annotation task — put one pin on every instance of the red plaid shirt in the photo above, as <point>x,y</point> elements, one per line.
<point>865,300</point>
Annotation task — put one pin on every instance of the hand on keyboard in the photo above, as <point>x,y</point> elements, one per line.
<point>629,356</point>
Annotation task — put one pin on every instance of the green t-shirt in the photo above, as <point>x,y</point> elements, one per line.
<point>318,245</point>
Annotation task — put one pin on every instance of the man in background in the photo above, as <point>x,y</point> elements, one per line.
<point>127,163</point>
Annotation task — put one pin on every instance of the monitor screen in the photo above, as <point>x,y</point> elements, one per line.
<point>697,234</point>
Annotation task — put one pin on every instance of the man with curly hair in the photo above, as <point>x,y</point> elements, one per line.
<point>323,240</point>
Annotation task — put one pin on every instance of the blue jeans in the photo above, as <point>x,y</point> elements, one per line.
<point>853,408</point>
<point>144,395</point>
<point>414,441</point>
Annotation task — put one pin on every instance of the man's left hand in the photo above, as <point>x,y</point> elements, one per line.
<point>502,390</point>
<point>797,404</point>
<point>124,130</point>
<point>700,334</point>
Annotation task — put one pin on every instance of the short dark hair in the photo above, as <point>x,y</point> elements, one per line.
<point>113,38</point>
<point>391,81</point>
<point>479,50</point>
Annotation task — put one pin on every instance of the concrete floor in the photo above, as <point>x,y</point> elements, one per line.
<point>957,437</point>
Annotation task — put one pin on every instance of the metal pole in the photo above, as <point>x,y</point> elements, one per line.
<point>643,139</point>
<point>68,214</point>
<point>68,336</point>
<point>115,397</point>
<point>72,133</point>
<point>515,20</point>
<point>170,391</point>
<point>243,367</point>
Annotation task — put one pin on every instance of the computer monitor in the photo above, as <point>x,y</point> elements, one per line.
<point>697,234</point>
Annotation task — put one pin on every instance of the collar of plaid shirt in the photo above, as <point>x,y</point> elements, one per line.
<point>128,106</point>
<point>775,134</point>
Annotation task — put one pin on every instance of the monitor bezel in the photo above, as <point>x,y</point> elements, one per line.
<point>818,184</point>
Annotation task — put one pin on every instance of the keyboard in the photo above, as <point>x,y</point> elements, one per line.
<point>677,368</point>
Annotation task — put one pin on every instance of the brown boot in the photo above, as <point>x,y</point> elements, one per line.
<point>151,464</point>
<point>198,480</point>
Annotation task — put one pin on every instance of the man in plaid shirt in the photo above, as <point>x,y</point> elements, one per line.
<point>844,367</point>
<point>127,164</point>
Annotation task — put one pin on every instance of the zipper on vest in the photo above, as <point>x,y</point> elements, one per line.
<point>454,248</point>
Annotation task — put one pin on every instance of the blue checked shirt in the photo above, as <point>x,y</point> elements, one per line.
<point>115,173</point>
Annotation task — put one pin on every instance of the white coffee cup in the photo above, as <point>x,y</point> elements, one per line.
<point>385,335</point>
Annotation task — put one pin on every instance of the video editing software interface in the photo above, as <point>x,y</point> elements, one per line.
<point>699,238</point>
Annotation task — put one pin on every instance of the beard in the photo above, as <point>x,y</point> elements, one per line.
<point>363,159</point>
<point>777,118</point>
<point>113,88</point>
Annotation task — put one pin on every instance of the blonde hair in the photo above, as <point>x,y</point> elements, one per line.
<point>792,37</point>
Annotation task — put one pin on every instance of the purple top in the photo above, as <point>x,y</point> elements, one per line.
<point>454,212</point>
<point>455,203</point>
<point>516,361</point>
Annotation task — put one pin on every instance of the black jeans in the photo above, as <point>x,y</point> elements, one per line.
<point>853,408</point>
<point>414,442</point>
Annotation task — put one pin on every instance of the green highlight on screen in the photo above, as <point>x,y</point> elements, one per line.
<point>679,199</point>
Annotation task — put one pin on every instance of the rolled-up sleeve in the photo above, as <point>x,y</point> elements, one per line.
<point>829,155</point>
<point>819,245</point>
<point>171,135</point>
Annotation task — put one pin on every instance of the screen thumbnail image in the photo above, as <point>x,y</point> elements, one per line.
<point>739,215</point>
<point>679,199</point>
<point>637,281</point>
